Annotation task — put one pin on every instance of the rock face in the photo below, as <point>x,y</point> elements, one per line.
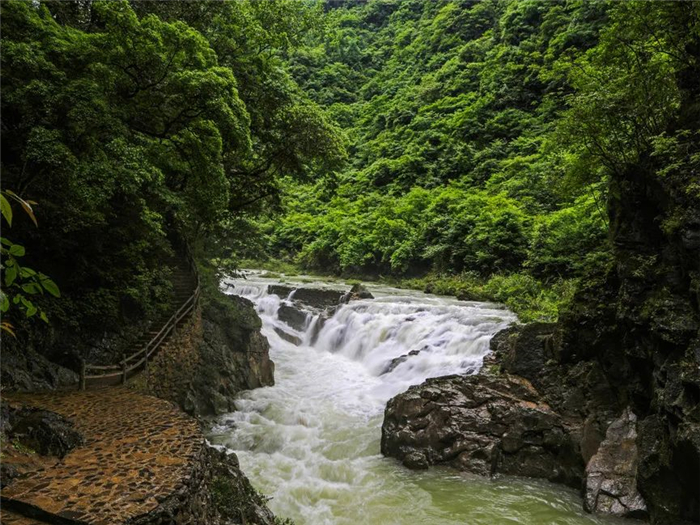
<point>234,356</point>
<point>480,424</point>
<point>217,493</point>
<point>611,474</point>
<point>552,420</point>
<point>25,370</point>
<point>292,316</point>
<point>44,431</point>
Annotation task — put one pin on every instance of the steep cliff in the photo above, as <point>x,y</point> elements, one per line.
<point>234,356</point>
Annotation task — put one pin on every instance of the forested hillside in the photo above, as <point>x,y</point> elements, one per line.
<point>482,139</point>
<point>129,126</point>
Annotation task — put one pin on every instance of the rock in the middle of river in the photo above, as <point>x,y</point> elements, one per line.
<point>480,424</point>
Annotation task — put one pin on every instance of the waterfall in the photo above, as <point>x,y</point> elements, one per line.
<point>311,442</point>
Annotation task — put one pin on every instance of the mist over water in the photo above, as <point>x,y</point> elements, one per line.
<point>311,442</point>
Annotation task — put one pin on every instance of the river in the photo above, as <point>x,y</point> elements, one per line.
<point>311,442</point>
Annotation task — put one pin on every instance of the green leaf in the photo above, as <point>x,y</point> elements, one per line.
<point>17,250</point>
<point>32,288</point>
<point>31,309</point>
<point>4,302</point>
<point>43,317</point>
<point>6,209</point>
<point>6,242</point>
<point>10,275</point>
<point>50,287</point>
<point>25,302</point>
<point>27,272</point>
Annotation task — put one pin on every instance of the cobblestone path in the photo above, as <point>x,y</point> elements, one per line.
<point>138,451</point>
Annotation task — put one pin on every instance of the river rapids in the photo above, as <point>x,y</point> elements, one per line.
<point>311,442</point>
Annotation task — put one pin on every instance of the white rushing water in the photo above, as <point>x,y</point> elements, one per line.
<point>311,442</point>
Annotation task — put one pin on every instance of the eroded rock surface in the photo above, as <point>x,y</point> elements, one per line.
<point>480,424</point>
<point>318,298</point>
<point>234,356</point>
<point>611,474</point>
<point>292,316</point>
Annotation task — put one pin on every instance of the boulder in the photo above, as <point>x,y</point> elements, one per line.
<point>280,290</point>
<point>611,474</point>
<point>358,291</point>
<point>481,424</point>
<point>317,298</point>
<point>292,316</point>
<point>291,338</point>
<point>45,432</point>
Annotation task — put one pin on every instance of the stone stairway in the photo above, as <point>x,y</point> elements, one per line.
<point>185,288</point>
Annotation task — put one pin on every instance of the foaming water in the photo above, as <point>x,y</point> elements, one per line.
<point>312,441</point>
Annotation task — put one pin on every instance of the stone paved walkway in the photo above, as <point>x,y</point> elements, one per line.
<point>138,450</point>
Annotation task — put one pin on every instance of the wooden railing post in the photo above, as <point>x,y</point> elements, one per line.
<point>82,374</point>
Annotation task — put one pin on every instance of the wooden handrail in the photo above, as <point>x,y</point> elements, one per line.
<point>123,369</point>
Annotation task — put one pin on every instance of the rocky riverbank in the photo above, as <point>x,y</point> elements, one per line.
<point>531,413</point>
<point>219,353</point>
<point>619,373</point>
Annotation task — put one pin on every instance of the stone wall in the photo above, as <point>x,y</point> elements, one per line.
<point>216,354</point>
<point>170,371</point>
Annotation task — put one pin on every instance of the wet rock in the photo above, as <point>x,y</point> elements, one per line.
<point>280,290</point>
<point>398,360</point>
<point>316,298</point>
<point>611,474</point>
<point>25,370</point>
<point>8,473</point>
<point>523,349</point>
<point>292,316</point>
<point>45,432</point>
<point>480,424</point>
<point>229,494</point>
<point>358,291</point>
<point>316,327</point>
<point>233,356</point>
<point>291,338</point>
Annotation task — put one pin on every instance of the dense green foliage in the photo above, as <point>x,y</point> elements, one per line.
<point>465,147</point>
<point>482,136</point>
<point>130,123</point>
